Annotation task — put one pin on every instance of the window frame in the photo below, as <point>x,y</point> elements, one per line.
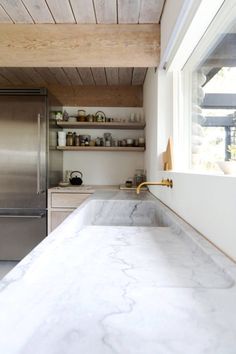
<point>182,87</point>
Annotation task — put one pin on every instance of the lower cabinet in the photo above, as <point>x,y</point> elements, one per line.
<point>61,205</point>
<point>57,217</point>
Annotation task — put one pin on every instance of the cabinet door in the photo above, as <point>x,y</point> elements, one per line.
<point>57,217</point>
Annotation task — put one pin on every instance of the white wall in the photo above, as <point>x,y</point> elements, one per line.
<point>206,202</point>
<point>110,168</point>
<point>150,108</point>
<point>158,111</point>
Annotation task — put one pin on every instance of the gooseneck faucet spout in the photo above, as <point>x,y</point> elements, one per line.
<point>164,182</point>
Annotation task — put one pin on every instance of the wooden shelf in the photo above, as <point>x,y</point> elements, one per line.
<point>100,148</point>
<point>97,125</point>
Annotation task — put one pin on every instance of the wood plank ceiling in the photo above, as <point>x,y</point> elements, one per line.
<point>72,76</point>
<point>80,12</point>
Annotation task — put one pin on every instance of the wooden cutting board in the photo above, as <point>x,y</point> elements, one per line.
<point>168,156</point>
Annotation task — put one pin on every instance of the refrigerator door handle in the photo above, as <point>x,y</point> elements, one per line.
<point>39,155</point>
<point>40,216</point>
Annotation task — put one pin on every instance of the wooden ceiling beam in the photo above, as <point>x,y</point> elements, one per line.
<point>74,45</point>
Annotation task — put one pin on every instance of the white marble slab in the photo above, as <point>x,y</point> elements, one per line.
<point>125,213</point>
<point>120,289</point>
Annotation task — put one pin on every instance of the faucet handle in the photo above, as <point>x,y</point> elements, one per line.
<point>167,182</point>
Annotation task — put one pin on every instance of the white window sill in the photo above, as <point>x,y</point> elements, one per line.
<point>197,173</point>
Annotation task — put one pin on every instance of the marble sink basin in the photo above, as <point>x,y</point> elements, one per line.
<point>125,213</point>
<point>177,247</point>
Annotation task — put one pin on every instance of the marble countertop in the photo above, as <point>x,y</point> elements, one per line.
<point>95,289</point>
<point>83,188</point>
<point>91,189</point>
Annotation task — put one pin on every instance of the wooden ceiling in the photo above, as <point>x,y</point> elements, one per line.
<point>81,11</point>
<point>86,52</point>
<point>28,53</point>
<point>72,76</point>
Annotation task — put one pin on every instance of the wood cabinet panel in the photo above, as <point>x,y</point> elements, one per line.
<point>57,217</point>
<point>67,200</point>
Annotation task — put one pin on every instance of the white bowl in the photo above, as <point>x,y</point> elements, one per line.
<point>64,184</point>
<point>228,167</point>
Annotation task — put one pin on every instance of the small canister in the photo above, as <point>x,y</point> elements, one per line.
<point>77,141</point>
<point>69,139</point>
<point>74,135</point>
<point>141,142</point>
<point>136,143</point>
<point>90,118</point>
<point>81,115</point>
<point>61,138</point>
<point>107,143</point>
<point>97,141</point>
<point>123,143</point>
<point>114,142</point>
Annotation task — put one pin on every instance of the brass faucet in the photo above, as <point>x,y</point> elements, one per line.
<point>164,182</point>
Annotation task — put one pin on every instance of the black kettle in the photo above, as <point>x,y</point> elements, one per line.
<point>75,179</point>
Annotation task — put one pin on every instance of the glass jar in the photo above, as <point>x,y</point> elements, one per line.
<point>69,139</point>
<point>77,141</point>
<point>97,141</point>
<point>107,143</point>
<point>74,135</point>
<point>114,142</point>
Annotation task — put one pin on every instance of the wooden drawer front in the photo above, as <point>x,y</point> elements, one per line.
<point>68,200</point>
<point>57,217</point>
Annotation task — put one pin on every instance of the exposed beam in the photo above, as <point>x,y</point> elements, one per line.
<point>92,96</point>
<point>75,45</point>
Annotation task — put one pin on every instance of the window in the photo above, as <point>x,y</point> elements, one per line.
<point>209,90</point>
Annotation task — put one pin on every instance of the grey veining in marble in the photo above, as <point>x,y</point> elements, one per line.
<point>121,275</point>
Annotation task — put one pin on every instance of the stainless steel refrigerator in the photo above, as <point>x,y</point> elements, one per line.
<point>24,171</point>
